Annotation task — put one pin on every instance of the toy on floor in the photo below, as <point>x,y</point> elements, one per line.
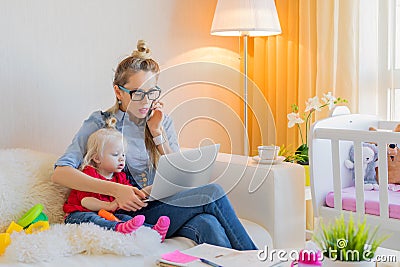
<point>369,163</point>
<point>32,221</point>
<point>35,214</point>
<point>308,257</point>
<point>4,242</point>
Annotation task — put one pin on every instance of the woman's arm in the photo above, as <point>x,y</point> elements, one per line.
<point>127,197</point>
<point>165,148</point>
<point>156,123</point>
<point>95,204</point>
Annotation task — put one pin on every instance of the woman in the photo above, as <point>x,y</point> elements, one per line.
<point>149,134</point>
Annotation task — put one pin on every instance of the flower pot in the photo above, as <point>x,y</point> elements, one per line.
<point>327,262</point>
<point>307,174</point>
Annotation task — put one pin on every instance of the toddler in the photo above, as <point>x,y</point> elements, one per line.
<point>105,160</point>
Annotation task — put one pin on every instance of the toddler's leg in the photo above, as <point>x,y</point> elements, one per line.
<point>162,226</point>
<point>131,225</point>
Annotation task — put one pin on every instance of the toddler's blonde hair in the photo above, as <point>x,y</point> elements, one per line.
<point>98,139</point>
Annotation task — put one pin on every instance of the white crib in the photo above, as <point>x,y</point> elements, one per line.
<point>330,141</point>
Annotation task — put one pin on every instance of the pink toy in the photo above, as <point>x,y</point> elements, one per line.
<point>308,258</point>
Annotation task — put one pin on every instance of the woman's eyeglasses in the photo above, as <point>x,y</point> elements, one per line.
<point>138,94</point>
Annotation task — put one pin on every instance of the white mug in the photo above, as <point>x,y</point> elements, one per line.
<point>268,152</point>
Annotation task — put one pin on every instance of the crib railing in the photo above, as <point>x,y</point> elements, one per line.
<point>382,139</point>
<point>330,141</point>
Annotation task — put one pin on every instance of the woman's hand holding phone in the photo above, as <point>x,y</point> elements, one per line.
<point>155,118</point>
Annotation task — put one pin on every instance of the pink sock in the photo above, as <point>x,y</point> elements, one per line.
<point>131,225</point>
<point>162,226</point>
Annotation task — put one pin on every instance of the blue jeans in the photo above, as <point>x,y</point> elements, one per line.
<point>202,214</point>
<point>79,217</point>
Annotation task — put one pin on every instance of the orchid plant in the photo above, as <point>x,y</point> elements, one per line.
<point>295,118</point>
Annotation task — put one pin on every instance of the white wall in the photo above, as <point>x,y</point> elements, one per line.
<point>57,60</point>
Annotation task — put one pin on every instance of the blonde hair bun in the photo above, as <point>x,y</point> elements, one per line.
<point>111,122</point>
<point>143,51</point>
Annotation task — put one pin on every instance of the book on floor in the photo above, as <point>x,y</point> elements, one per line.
<point>205,254</point>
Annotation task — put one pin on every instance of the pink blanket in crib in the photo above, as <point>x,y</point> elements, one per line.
<point>371,201</point>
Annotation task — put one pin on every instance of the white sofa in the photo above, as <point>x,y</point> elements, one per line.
<point>270,201</point>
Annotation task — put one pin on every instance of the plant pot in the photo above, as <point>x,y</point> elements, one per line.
<point>307,174</point>
<point>331,263</point>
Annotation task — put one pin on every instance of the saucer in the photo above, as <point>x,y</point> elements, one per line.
<point>278,160</point>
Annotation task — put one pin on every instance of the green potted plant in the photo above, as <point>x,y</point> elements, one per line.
<point>348,244</point>
<point>296,157</point>
<point>290,155</point>
<point>295,118</point>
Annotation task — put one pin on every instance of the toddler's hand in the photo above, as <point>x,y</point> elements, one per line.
<point>113,206</point>
<point>129,198</point>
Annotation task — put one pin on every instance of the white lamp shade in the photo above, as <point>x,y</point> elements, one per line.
<point>245,17</point>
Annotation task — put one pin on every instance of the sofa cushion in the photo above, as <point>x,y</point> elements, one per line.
<point>25,182</point>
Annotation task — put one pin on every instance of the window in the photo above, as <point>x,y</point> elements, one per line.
<point>397,36</point>
<point>389,56</point>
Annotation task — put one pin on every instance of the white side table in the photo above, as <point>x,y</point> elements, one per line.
<point>278,190</point>
<point>309,213</point>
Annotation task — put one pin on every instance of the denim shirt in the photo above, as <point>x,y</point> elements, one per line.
<point>137,158</point>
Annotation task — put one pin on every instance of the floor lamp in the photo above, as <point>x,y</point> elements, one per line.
<point>245,18</point>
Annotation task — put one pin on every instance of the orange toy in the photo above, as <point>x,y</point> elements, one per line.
<point>108,215</point>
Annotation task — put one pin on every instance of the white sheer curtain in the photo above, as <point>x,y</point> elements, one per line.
<point>349,55</point>
<point>338,49</point>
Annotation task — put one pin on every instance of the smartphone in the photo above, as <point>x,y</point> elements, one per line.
<point>150,111</point>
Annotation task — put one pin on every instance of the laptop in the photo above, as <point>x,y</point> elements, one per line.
<point>183,170</point>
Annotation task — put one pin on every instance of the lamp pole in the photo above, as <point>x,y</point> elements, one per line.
<point>245,18</point>
<point>245,90</point>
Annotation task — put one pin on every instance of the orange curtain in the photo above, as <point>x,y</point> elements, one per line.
<point>284,69</point>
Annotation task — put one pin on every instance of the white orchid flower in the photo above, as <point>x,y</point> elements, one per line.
<point>313,103</point>
<point>329,99</point>
<point>293,119</point>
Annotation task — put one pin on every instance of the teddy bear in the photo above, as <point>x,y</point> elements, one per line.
<point>393,163</point>
<point>369,163</point>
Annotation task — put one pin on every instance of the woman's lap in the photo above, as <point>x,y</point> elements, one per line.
<point>186,205</point>
<point>180,207</point>
<point>205,223</point>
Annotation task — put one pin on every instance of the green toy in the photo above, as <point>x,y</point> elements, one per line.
<point>35,214</point>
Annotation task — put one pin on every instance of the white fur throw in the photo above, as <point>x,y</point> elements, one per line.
<point>69,239</point>
<point>25,182</point>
